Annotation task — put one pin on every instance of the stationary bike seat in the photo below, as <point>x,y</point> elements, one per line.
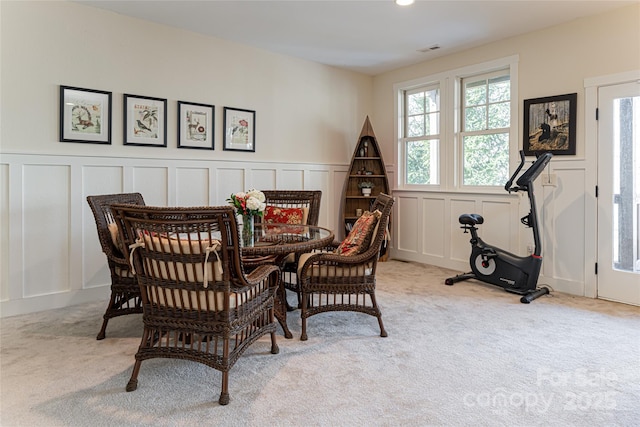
<point>470,219</point>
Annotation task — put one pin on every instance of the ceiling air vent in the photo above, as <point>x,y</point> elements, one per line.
<point>430,48</point>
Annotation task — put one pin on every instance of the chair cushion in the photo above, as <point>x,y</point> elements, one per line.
<point>275,214</point>
<point>191,272</point>
<point>115,237</point>
<point>360,236</point>
<point>331,270</point>
<point>192,300</point>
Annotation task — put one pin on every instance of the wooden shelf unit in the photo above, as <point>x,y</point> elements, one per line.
<point>367,158</point>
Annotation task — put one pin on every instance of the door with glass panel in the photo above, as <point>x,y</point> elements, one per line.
<point>619,193</point>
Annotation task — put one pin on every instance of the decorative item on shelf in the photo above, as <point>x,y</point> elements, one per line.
<point>361,151</point>
<point>248,204</point>
<point>358,213</point>
<point>368,173</point>
<point>366,149</point>
<point>366,187</point>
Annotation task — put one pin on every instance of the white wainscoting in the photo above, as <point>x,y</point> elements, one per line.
<point>426,228</point>
<point>49,248</point>
<point>50,256</point>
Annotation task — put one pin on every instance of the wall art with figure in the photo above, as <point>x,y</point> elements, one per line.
<point>550,125</point>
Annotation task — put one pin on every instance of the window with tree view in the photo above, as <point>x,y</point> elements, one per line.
<point>486,122</point>
<point>422,135</point>
<point>457,129</point>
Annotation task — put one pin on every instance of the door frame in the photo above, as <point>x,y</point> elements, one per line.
<point>591,86</point>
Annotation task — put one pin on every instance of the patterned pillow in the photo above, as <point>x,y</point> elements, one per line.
<point>275,214</point>
<point>359,237</point>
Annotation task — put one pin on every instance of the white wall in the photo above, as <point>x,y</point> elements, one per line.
<point>305,112</point>
<point>308,118</point>
<point>554,61</point>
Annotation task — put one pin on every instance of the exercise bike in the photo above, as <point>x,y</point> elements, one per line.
<point>498,267</point>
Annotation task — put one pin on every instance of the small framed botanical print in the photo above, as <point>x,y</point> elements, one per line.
<point>85,115</point>
<point>145,121</point>
<point>195,125</point>
<point>239,129</point>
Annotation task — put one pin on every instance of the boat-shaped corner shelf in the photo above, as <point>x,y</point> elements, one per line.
<point>366,166</point>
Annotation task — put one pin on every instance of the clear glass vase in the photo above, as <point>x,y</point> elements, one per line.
<point>247,230</point>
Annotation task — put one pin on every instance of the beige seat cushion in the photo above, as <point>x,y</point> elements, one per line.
<point>333,271</point>
<point>115,237</point>
<point>190,272</point>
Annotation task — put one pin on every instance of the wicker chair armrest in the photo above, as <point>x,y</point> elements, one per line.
<point>257,276</point>
<point>260,273</point>
<point>117,257</point>
<point>332,246</point>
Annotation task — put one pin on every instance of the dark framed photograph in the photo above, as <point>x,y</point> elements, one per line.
<point>550,125</point>
<point>239,129</point>
<point>195,125</point>
<point>145,121</point>
<point>85,115</point>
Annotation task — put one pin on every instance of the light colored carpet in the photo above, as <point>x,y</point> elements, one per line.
<point>467,355</point>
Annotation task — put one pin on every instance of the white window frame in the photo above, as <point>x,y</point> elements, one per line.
<point>450,147</point>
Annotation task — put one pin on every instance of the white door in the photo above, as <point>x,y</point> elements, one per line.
<point>619,193</point>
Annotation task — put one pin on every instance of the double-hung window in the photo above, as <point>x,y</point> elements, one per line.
<point>486,121</point>
<point>422,135</point>
<point>457,130</point>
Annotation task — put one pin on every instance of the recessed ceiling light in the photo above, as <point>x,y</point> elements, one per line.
<point>404,2</point>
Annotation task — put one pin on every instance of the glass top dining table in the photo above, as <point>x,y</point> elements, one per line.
<point>272,243</point>
<point>275,239</point>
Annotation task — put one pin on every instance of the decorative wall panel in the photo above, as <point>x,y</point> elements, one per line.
<point>51,256</point>
<point>192,186</point>
<point>46,229</point>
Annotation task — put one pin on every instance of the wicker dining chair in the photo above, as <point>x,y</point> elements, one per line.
<point>125,294</point>
<point>345,280</point>
<point>290,200</point>
<point>198,302</point>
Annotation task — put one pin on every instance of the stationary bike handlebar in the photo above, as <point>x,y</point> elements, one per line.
<point>507,186</point>
<point>529,175</point>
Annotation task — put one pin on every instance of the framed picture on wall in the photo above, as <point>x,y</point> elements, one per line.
<point>85,115</point>
<point>195,125</point>
<point>239,129</point>
<point>550,125</point>
<point>145,121</point>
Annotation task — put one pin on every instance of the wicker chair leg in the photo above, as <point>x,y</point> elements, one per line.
<point>133,381</point>
<point>274,345</point>
<point>103,331</point>
<point>224,394</point>
<point>383,333</point>
<point>303,316</point>
<point>303,335</point>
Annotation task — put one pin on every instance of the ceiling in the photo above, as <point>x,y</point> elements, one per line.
<point>367,36</point>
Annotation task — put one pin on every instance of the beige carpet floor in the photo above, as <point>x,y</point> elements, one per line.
<point>467,355</point>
